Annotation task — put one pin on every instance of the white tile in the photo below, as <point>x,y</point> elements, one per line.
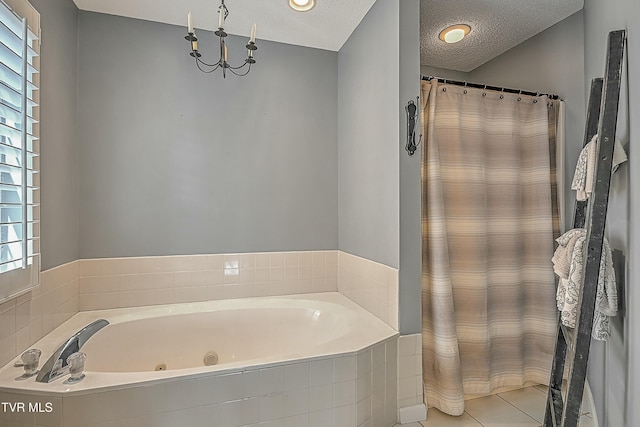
<point>228,388</point>
<point>363,411</point>
<point>291,259</point>
<point>272,380</point>
<point>305,258</point>
<point>81,410</point>
<point>297,421</point>
<point>436,418</point>
<point>229,413</point>
<point>272,423</point>
<point>528,400</point>
<point>344,416</point>
<point>407,345</point>
<point>344,368</point>
<point>8,323</point>
<point>182,395</point>
<point>276,259</point>
<point>272,407</point>
<point>406,387</point>
<point>363,363</point>
<point>251,411</point>
<point>296,376</point>
<point>321,372</point>
<point>320,397</point>
<point>322,418</point>
<point>344,393</point>
<point>276,273</point>
<point>247,260</point>
<point>492,411</point>
<point>407,366</point>
<point>296,402</point>
<point>363,387</point>
<point>251,383</point>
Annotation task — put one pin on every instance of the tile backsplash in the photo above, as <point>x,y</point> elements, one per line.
<point>129,282</point>
<point>372,285</point>
<point>29,317</point>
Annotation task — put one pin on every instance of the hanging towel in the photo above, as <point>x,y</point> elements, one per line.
<point>568,292</point>
<point>583,179</point>
<point>562,257</point>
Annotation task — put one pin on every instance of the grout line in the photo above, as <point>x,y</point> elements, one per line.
<point>533,419</point>
<point>476,420</point>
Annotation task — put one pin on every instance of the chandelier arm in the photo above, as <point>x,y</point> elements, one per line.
<point>240,67</point>
<point>240,74</point>
<point>206,64</point>
<point>206,71</point>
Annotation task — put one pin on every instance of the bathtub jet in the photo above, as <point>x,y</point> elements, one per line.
<point>57,365</point>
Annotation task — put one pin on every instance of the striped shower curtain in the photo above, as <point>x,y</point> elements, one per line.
<point>488,225</point>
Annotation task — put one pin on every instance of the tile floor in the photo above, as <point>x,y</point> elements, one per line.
<point>518,408</point>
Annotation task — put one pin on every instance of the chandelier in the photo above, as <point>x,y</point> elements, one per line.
<point>223,62</point>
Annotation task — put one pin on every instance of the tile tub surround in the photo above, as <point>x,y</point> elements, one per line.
<point>372,285</point>
<point>410,386</point>
<point>29,317</point>
<point>353,390</point>
<point>140,281</point>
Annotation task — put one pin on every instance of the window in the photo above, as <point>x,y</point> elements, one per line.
<point>19,147</point>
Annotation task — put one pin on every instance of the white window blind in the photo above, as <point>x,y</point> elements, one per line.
<point>19,148</point>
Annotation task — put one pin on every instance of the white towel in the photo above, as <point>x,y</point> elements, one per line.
<point>583,179</point>
<point>568,292</point>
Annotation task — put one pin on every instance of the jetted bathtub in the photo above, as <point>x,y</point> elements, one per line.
<point>318,357</point>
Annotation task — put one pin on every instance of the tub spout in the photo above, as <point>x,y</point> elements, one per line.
<point>56,365</point>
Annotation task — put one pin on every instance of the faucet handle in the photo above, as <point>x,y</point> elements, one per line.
<point>76,367</point>
<point>30,361</point>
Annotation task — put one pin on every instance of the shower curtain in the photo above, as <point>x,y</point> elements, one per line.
<point>488,226</point>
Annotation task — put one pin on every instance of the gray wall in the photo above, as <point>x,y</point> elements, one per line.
<point>614,377</point>
<point>174,161</point>
<point>368,129</point>
<point>410,272</point>
<point>58,132</point>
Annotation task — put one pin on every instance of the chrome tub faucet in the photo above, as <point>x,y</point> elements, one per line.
<point>56,366</point>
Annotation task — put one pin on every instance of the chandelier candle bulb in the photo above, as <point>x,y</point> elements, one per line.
<point>190,23</point>
<point>221,18</point>
<point>253,33</point>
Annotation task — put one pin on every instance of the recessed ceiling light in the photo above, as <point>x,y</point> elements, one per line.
<point>454,33</point>
<point>302,5</point>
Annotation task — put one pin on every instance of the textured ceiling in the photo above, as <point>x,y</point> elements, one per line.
<point>327,26</point>
<point>496,26</point>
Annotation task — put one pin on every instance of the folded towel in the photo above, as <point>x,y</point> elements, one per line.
<point>583,178</point>
<point>568,292</point>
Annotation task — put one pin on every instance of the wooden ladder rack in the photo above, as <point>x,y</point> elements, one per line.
<point>572,345</point>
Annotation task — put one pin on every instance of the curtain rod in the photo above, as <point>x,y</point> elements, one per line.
<point>481,86</point>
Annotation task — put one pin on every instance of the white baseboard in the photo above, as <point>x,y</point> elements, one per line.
<point>413,414</point>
